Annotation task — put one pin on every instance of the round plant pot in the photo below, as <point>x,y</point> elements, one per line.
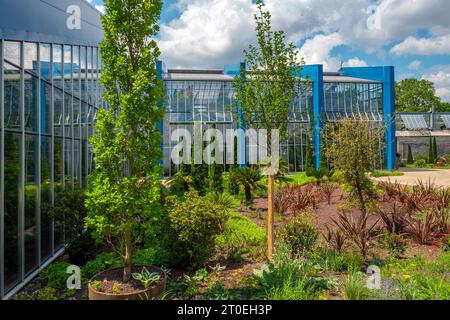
<point>153,292</point>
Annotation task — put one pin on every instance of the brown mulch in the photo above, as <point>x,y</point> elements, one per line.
<point>324,214</point>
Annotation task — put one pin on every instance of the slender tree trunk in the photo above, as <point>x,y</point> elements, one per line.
<point>128,256</point>
<point>270,218</point>
<point>248,193</point>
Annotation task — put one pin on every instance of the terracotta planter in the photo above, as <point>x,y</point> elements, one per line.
<point>153,292</point>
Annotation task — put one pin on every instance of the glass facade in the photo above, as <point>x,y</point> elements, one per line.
<point>210,102</point>
<point>49,98</point>
<point>353,101</point>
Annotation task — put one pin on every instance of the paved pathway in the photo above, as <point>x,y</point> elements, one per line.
<point>439,177</point>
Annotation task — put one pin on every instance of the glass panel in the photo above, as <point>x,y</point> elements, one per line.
<point>12,97</point>
<point>12,52</point>
<point>46,108</point>
<point>58,165</point>
<point>67,115</point>
<point>76,71</point>
<point>46,222</point>
<point>58,71</point>
<point>45,60</point>
<point>30,59</point>
<point>31,85</point>
<point>31,161</point>
<point>58,178</point>
<point>76,162</point>
<point>11,194</point>
<point>58,109</point>
<point>68,69</point>
<point>83,72</point>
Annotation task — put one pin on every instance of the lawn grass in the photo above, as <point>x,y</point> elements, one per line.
<point>242,230</point>
<point>299,179</point>
<point>385,173</point>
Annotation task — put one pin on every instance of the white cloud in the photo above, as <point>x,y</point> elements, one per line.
<point>100,8</point>
<point>210,33</point>
<point>318,49</point>
<point>415,65</point>
<point>355,62</point>
<point>423,46</point>
<point>440,76</point>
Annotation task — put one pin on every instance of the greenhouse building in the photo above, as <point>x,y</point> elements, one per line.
<point>49,95</point>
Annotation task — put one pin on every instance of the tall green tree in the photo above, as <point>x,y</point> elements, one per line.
<point>125,187</point>
<point>410,159</point>
<point>435,150</point>
<point>267,87</point>
<point>444,107</point>
<point>430,151</point>
<point>413,95</point>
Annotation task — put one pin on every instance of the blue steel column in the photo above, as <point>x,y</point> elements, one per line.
<point>160,124</point>
<point>386,75</point>
<point>236,71</point>
<point>314,73</point>
<point>389,116</point>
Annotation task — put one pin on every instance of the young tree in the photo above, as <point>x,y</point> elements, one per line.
<point>267,87</point>
<point>354,149</point>
<point>125,188</point>
<point>410,159</point>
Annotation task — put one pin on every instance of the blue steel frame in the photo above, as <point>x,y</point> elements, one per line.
<point>315,74</point>
<point>386,75</point>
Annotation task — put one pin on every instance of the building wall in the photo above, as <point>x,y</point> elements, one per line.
<point>420,145</point>
<point>49,95</point>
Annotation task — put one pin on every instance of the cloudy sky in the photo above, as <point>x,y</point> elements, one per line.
<point>412,35</point>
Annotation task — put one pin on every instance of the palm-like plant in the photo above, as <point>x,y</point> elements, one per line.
<point>250,179</point>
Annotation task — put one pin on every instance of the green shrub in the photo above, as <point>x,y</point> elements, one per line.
<point>396,245</point>
<point>301,236</point>
<point>233,184</point>
<point>336,262</point>
<point>48,294</point>
<point>337,176</point>
<point>446,246</point>
<point>288,278</point>
<point>355,287</point>
<point>192,227</point>
<point>55,275</point>
<point>410,158</point>
<point>223,199</point>
<point>379,174</point>
<point>420,163</point>
<point>418,278</point>
<point>242,236</point>
<point>101,263</point>
<point>250,179</point>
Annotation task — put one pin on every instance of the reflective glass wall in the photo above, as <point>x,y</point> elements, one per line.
<point>49,96</point>
<point>356,100</point>
<point>211,102</point>
<point>353,100</point>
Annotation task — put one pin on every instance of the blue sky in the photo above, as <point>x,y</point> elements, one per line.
<point>412,35</point>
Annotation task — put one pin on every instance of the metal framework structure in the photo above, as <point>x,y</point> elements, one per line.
<point>207,97</point>
<point>49,95</point>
